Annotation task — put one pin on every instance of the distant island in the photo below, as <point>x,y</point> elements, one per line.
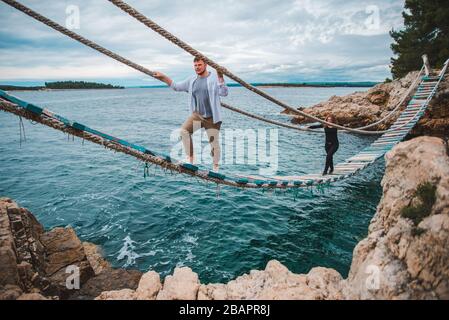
<point>314,84</point>
<point>62,85</point>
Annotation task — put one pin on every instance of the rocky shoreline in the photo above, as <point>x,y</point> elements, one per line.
<point>403,256</point>
<point>363,108</point>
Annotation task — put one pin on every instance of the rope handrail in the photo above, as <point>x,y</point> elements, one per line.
<point>186,47</point>
<point>167,35</point>
<point>444,70</point>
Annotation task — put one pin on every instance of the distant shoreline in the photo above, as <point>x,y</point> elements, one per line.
<point>367,84</point>
<point>318,85</point>
<point>261,85</point>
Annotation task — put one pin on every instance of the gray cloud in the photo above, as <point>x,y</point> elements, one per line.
<point>263,40</point>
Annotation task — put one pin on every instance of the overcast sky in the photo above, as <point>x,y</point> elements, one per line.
<point>261,41</point>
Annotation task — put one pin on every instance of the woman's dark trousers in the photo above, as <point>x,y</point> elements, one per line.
<point>331,149</point>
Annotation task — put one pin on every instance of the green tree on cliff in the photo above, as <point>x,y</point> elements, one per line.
<point>426,31</point>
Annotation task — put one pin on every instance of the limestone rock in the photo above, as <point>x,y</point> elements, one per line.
<point>10,292</point>
<point>125,294</point>
<point>394,262</point>
<point>149,286</point>
<point>33,259</point>
<point>378,97</point>
<point>183,285</point>
<point>212,292</point>
<point>276,282</point>
<point>363,108</point>
<point>95,258</point>
<point>21,253</point>
<point>408,165</point>
<point>64,251</point>
<point>108,280</point>
<point>327,282</point>
<point>32,296</point>
<point>9,273</point>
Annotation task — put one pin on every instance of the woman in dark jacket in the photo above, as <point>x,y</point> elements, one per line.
<point>331,146</point>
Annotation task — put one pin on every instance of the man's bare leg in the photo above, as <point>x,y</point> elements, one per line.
<point>187,141</point>
<point>214,140</point>
<point>191,125</point>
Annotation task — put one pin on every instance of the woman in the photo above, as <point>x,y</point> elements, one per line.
<point>332,144</point>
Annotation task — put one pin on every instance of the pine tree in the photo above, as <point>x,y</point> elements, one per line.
<point>426,32</point>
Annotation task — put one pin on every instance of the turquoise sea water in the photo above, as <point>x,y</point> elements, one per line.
<point>165,221</point>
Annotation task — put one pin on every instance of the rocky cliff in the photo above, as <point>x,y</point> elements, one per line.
<point>406,252</point>
<point>363,108</point>
<point>404,256</point>
<point>35,264</point>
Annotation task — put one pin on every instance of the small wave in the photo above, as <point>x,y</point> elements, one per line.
<point>151,253</point>
<point>190,256</point>
<point>190,239</point>
<point>127,251</point>
<point>106,228</point>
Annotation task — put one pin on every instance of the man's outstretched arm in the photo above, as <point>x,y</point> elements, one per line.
<point>162,77</point>
<point>181,86</point>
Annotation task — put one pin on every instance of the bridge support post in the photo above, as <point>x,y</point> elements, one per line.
<point>425,59</point>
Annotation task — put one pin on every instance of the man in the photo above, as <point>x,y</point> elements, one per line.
<point>205,90</point>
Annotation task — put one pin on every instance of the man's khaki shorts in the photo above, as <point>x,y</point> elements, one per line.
<point>196,122</point>
<point>207,123</point>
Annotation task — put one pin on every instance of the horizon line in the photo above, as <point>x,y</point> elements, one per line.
<point>232,84</point>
